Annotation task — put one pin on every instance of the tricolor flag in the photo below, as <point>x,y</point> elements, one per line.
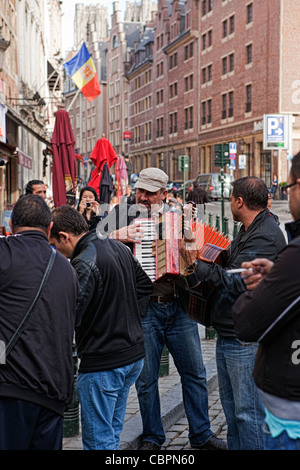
<point>82,70</point>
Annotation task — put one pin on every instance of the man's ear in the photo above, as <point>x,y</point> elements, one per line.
<point>49,229</point>
<point>64,236</point>
<point>164,194</point>
<point>239,201</point>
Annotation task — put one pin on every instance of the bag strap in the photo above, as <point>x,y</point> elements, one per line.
<point>23,323</point>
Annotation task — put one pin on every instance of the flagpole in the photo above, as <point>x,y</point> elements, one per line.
<point>77,93</point>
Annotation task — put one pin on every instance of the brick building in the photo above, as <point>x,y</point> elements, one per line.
<point>217,67</point>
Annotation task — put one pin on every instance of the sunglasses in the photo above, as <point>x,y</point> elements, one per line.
<point>285,187</point>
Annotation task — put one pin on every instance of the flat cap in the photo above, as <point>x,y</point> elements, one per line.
<point>152,179</point>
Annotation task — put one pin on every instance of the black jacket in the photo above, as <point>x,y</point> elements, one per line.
<point>40,367</point>
<point>263,239</point>
<point>277,369</point>
<point>112,283</point>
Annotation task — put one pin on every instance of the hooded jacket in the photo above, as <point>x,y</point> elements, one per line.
<point>112,286</point>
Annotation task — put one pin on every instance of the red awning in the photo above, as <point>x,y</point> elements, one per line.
<point>79,157</point>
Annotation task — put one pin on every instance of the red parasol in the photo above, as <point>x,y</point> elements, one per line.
<point>102,152</point>
<point>64,160</point>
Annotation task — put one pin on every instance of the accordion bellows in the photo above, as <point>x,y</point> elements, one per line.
<point>159,252</point>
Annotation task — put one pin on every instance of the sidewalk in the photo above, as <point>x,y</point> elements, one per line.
<point>171,401</point>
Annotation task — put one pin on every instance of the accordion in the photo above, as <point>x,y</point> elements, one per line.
<point>159,252</point>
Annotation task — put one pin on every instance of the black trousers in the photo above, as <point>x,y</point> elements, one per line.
<point>26,426</point>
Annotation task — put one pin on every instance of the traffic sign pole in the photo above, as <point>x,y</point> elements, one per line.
<point>222,187</point>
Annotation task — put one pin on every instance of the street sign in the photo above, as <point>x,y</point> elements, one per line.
<point>276,131</point>
<point>127,135</point>
<point>242,162</point>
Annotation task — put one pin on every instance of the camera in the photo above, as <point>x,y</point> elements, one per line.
<point>88,204</point>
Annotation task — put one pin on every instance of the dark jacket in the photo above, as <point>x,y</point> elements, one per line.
<point>40,367</point>
<point>197,195</point>
<point>108,327</point>
<point>277,369</point>
<point>263,239</point>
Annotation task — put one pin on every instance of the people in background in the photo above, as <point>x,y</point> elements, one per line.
<point>89,206</point>
<point>37,187</point>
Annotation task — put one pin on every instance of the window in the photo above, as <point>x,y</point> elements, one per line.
<point>160,96</point>
<point>209,103</point>
<point>224,65</point>
<point>159,69</point>
<point>230,104</point>
<point>160,127</point>
<point>189,51</point>
<point>231,24</point>
<point>173,61</point>
<point>188,82</point>
<point>203,118</point>
<point>248,98</point>
<point>231,62</point>
<point>224,106</point>
<point>173,89</point>
<point>225,29</point>
<point>173,123</point>
<point>188,118</point>
<point>250,13</point>
<point>249,54</point>
<point>209,72</point>
<point>209,38</point>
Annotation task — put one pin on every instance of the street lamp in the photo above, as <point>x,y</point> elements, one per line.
<point>3,46</point>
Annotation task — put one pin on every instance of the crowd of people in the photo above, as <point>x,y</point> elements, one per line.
<point>69,274</point>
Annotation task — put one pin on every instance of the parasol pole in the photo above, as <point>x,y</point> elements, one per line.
<point>77,93</point>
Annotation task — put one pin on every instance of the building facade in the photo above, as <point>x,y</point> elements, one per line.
<point>217,67</point>
<point>31,90</point>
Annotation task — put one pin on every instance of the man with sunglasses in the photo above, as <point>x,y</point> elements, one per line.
<point>273,289</point>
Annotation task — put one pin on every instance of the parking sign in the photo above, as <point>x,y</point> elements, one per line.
<point>276,131</point>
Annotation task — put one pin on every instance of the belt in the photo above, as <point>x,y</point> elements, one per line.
<point>161,299</point>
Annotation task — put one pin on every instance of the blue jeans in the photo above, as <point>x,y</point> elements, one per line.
<point>281,442</point>
<point>169,324</point>
<point>103,398</point>
<point>241,402</point>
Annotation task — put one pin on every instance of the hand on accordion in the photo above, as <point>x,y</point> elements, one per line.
<point>188,251</point>
<point>133,233</point>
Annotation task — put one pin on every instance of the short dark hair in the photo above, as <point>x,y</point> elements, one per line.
<point>31,211</point>
<point>67,219</point>
<point>253,190</point>
<point>295,168</point>
<point>30,184</point>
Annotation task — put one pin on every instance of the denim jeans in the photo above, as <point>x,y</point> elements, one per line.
<point>169,324</point>
<point>103,398</point>
<point>281,442</point>
<point>241,402</point>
